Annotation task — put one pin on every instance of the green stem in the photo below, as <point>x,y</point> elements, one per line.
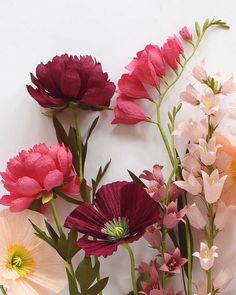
<point>132,264</point>
<point>79,142</point>
<point>98,276</point>
<point>56,216</point>
<point>4,292</point>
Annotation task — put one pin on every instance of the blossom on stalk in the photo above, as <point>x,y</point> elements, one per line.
<point>228,87</point>
<point>128,112</point>
<point>191,130</point>
<point>173,216</point>
<point>199,72</point>
<point>120,214</point>
<point>190,183</point>
<point>68,79</point>
<point>206,256</point>
<point>208,150</point>
<point>171,50</point>
<point>153,236</point>
<point>213,185</point>
<point>28,265</point>
<point>191,95</point>
<point>185,34</point>
<point>173,262</point>
<point>222,215</point>
<point>195,217</point>
<point>209,103</point>
<point>35,173</point>
<point>192,164</point>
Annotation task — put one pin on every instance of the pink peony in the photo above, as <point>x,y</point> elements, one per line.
<point>185,34</point>
<point>69,78</point>
<point>35,173</point>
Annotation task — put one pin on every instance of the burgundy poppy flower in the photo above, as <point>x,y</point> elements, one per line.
<point>121,212</point>
<point>71,78</point>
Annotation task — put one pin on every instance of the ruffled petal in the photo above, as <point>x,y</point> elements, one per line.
<point>97,248</point>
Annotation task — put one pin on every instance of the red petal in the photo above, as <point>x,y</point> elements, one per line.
<point>97,248</point>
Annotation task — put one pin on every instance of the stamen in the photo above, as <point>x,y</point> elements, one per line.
<point>117,229</point>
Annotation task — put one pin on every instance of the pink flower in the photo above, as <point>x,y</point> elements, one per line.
<point>190,95</point>
<point>222,279</point>
<point>35,173</point>
<point>209,103</point>
<point>128,112</point>
<point>228,86</point>
<point>208,150</point>
<point>213,185</point>
<point>172,292</point>
<point>28,265</point>
<point>217,117</point>
<point>195,217</point>
<point>173,216</point>
<point>173,262</point>
<point>222,215</point>
<point>190,183</point>
<point>192,164</point>
<point>185,34</point>
<point>191,130</point>
<point>153,236</point>
<point>171,51</point>
<point>206,256</point>
<point>200,73</point>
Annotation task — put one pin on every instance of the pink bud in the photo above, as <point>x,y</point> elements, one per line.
<point>185,34</point>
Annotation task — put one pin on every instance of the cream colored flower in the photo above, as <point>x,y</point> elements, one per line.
<point>206,256</point>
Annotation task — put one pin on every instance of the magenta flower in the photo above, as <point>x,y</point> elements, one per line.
<point>35,173</point>
<point>171,51</point>
<point>120,214</point>
<point>185,34</point>
<point>173,216</point>
<point>71,78</point>
<point>173,262</point>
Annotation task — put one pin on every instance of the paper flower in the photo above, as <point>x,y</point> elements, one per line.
<point>190,183</point>
<point>173,262</point>
<point>171,50</point>
<point>199,72</point>
<point>206,256</point>
<point>185,34</point>
<point>35,173</point>
<point>121,213</point>
<point>71,78</point>
<point>195,217</point>
<point>153,236</point>
<point>173,216</point>
<point>28,265</point>
<point>222,279</point>
<point>222,215</point>
<point>191,95</point>
<point>208,150</point>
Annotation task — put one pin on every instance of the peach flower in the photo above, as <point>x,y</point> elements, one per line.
<point>27,264</point>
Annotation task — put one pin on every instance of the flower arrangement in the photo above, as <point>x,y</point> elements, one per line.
<point>180,216</point>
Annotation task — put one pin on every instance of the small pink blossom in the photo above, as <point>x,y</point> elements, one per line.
<point>191,130</point>
<point>208,150</point>
<point>185,34</point>
<point>173,262</point>
<point>171,51</point>
<point>228,86</point>
<point>153,236</point>
<point>190,95</point>
<point>190,183</point>
<point>213,185</point>
<point>206,256</point>
<point>173,216</point>
<point>195,217</point>
<point>209,103</point>
<point>192,164</point>
<point>222,215</point>
<point>199,72</point>
<point>222,279</point>
<point>217,117</point>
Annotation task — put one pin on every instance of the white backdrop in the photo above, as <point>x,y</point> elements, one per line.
<point>112,31</point>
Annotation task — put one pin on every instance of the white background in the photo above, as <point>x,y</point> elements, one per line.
<point>112,31</point>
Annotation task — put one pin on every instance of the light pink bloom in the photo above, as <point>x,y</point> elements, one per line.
<point>185,34</point>
<point>173,262</point>
<point>28,265</point>
<point>195,217</point>
<point>217,117</point>
<point>190,95</point>
<point>206,256</point>
<point>173,216</point>
<point>213,185</point>
<point>190,183</point>
<point>209,103</point>
<point>192,164</point>
<point>199,72</point>
<point>228,86</point>
<point>208,150</point>
<point>222,279</point>
<point>201,288</point>
<point>191,130</point>
<point>153,236</point>
<point>222,215</point>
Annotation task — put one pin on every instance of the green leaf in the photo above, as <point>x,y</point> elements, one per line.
<point>52,232</point>
<point>97,288</point>
<point>84,191</point>
<point>205,25</point>
<point>73,145</point>
<point>60,131</point>
<point>197,29</point>
<point>62,246</point>
<point>36,204</point>
<point>93,125</point>
<point>67,198</point>
<point>42,235</point>
<point>72,284</point>
<point>136,179</point>
<point>72,247</point>
<point>100,174</point>
<point>170,117</point>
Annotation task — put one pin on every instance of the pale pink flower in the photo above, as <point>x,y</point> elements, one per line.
<point>199,72</point>
<point>190,183</point>
<point>153,236</point>
<point>195,217</point>
<point>185,34</point>
<point>191,130</point>
<point>28,265</point>
<point>192,164</point>
<point>217,117</point>
<point>206,256</point>
<point>201,288</point>
<point>173,216</point>
<point>208,150</point>
<point>190,95</point>
<point>213,185</point>
<point>209,103</point>
<point>228,86</point>
<point>222,279</point>
<point>222,215</point>
<point>173,262</point>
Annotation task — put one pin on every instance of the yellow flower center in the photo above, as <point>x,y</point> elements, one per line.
<point>20,260</point>
<point>206,254</point>
<point>207,103</point>
<point>233,170</point>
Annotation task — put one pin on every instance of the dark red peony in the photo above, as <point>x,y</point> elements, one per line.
<point>71,78</point>
<point>120,215</point>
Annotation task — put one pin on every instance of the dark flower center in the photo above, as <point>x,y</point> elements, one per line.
<point>117,228</point>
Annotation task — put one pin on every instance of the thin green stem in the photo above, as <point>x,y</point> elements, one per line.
<point>79,142</point>
<point>4,292</point>
<point>98,276</point>
<point>132,268</point>
<point>72,273</point>
<point>56,216</point>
